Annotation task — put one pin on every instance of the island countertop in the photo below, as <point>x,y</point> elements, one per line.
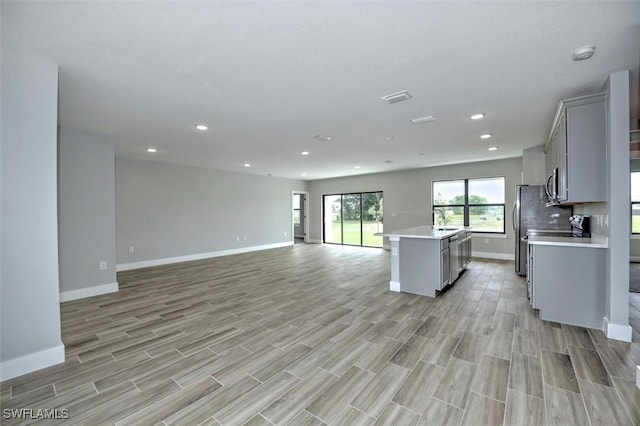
<point>426,232</point>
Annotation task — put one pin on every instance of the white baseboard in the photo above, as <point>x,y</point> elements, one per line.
<point>386,247</point>
<point>312,241</point>
<point>634,259</point>
<point>638,376</point>
<point>67,296</point>
<point>32,362</point>
<point>621,332</point>
<point>197,256</point>
<point>492,255</point>
<point>394,286</point>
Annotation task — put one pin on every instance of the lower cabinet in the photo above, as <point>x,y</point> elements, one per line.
<point>567,283</point>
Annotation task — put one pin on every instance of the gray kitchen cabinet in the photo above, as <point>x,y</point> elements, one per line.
<point>576,150</point>
<point>567,284</point>
<point>465,250</point>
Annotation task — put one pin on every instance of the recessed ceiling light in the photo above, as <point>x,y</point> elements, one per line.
<point>304,153</point>
<point>356,167</point>
<point>396,97</point>
<point>584,52</point>
<point>247,164</point>
<point>322,137</point>
<point>493,148</point>
<point>390,138</point>
<point>152,150</point>
<point>424,119</point>
<point>201,127</point>
<point>486,135</point>
<point>303,174</point>
<point>477,116</point>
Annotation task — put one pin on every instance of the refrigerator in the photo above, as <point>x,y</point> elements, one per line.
<point>530,211</point>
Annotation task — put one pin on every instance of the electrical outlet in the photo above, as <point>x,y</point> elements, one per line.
<point>131,249</point>
<point>237,239</point>
<point>285,233</point>
<point>102,265</point>
<point>244,238</point>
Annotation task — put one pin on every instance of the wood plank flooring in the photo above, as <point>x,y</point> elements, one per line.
<point>310,335</point>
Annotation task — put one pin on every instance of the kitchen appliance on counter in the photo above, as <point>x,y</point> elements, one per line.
<point>530,211</point>
<point>580,225</point>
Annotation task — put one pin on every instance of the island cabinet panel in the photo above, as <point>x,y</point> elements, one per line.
<point>568,284</point>
<point>422,266</point>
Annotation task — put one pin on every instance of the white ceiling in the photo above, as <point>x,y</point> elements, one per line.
<point>268,76</point>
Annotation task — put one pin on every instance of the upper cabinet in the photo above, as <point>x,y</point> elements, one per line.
<point>576,151</point>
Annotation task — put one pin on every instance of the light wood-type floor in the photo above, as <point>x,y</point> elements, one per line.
<point>634,315</point>
<point>310,335</point>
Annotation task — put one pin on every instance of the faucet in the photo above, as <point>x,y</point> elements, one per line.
<point>442,216</point>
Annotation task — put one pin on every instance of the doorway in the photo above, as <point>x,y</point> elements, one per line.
<point>353,219</point>
<point>299,222</point>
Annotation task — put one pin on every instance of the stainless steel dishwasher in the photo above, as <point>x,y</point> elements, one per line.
<point>453,258</point>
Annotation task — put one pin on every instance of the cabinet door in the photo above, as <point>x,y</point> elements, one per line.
<point>561,158</point>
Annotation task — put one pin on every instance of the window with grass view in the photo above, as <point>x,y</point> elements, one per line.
<point>353,219</point>
<point>635,202</point>
<point>470,202</point>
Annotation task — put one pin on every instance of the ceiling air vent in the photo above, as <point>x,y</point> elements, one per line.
<point>424,119</point>
<point>396,97</point>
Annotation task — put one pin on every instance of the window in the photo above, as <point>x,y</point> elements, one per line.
<point>635,202</point>
<point>353,219</point>
<point>296,209</point>
<point>470,202</point>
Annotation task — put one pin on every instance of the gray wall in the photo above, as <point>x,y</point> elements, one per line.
<point>407,197</point>
<point>87,212</point>
<point>166,210</point>
<point>534,166</point>
<point>617,206</point>
<point>29,299</point>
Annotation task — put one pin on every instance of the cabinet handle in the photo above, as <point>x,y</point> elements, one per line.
<point>513,215</point>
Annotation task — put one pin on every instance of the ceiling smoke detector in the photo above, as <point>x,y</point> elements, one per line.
<point>424,119</point>
<point>396,97</point>
<point>583,53</point>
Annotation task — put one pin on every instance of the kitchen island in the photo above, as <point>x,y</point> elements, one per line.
<point>426,259</point>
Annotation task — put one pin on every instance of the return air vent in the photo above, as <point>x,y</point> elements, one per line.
<point>424,119</point>
<point>396,97</point>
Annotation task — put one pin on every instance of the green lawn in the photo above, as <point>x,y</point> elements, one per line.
<point>635,224</point>
<point>490,224</point>
<point>352,233</point>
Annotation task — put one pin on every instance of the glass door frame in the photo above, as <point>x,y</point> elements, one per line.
<point>324,224</point>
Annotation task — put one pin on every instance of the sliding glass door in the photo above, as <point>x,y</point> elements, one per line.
<point>353,219</point>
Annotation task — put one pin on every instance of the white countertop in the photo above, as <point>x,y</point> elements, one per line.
<point>426,232</point>
<point>596,241</point>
